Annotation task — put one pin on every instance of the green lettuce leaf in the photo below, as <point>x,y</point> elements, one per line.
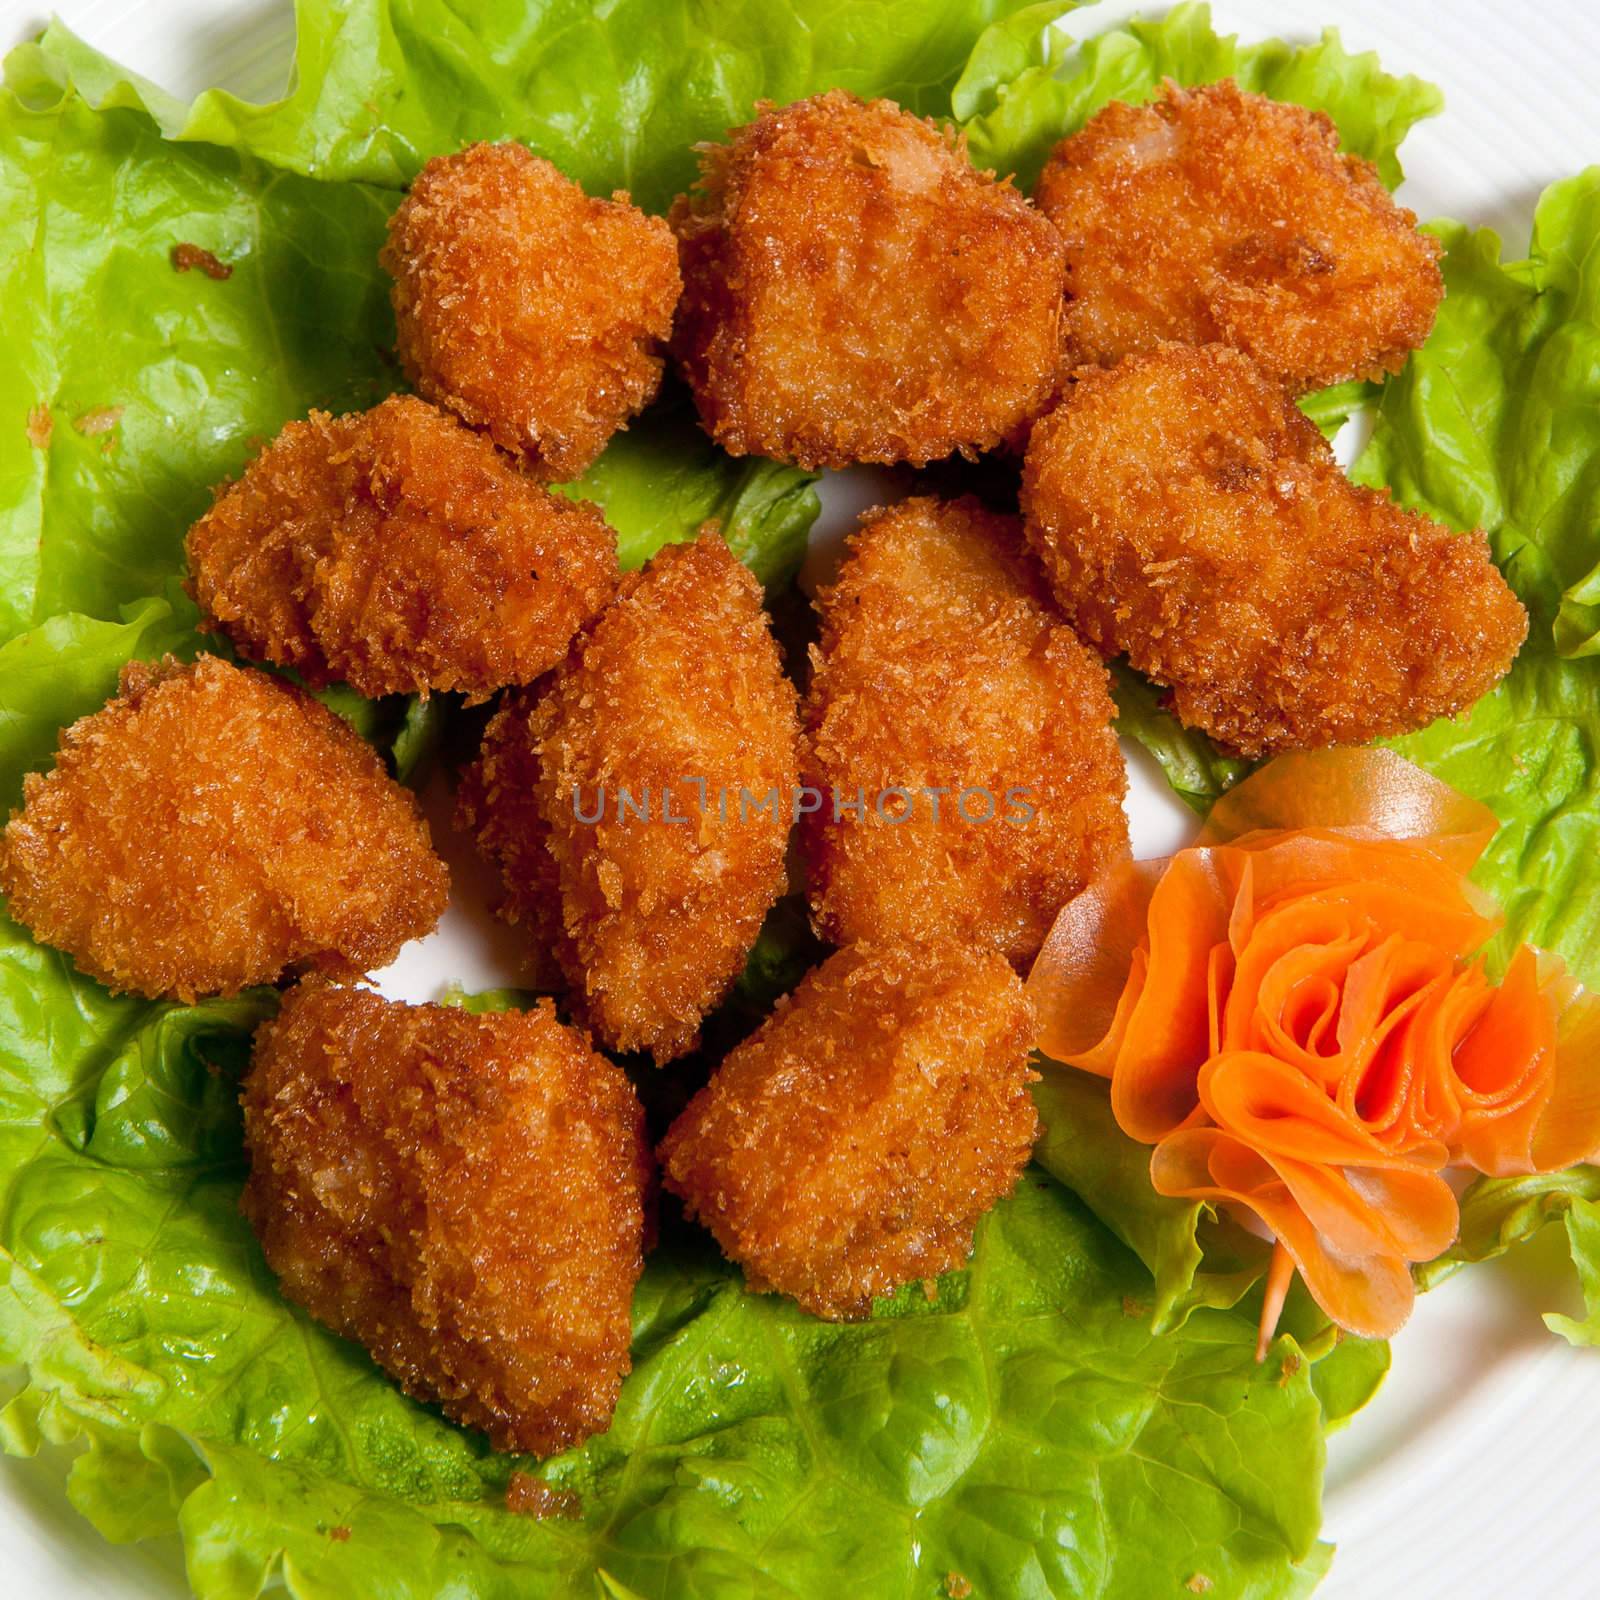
<point>1583,1238</point>
<point>1195,1258</point>
<point>1016,103</point>
<point>1197,770</point>
<point>127,389</point>
<point>1498,1214</point>
<point>67,668</point>
<point>659,481</point>
<point>1083,1147</point>
<point>1495,422</point>
<point>1021,1423</point>
<point>1331,408</point>
<point>1530,750</point>
<point>617,95</point>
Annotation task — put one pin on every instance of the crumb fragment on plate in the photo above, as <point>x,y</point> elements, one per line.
<point>530,1496</point>
<point>190,257</point>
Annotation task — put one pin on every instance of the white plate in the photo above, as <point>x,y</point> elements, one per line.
<point>1470,1474</point>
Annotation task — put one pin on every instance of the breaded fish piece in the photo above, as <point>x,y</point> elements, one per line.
<point>1191,518</point>
<point>855,291</point>
<point>463,1194</point>
<point>1215,216</point>
<point>851,1144</point>
<point>212,827</point>
<point>666,760</point>
<point>397,550</point>
<point>529,309</point>
<point>945,671</point>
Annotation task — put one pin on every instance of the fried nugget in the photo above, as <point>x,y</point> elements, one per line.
<point>666,762</point>
<point>1218,216</point>
<point>397,550</point>
<point>946,673</point>
<point>1191,518</point>
<point>462,1194</point>
<point>527,308</point>
<point>211,827</point>
<point>855,291</point>
<point>497,804</point>
<point>850,1145</point>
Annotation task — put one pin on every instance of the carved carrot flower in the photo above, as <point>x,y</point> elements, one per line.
<point>1296,1014</point>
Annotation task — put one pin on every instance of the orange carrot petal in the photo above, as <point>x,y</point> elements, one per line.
<point>1375,791</point>
<point>1274,1108</point>
<point>1568,1131</point>
<point>1168,1032</point>
<point>1366,1294</point>
<point>1501,1072</point>
<point>1083,981</point>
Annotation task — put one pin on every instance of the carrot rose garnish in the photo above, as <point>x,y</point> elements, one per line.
<point>1297,1014</point>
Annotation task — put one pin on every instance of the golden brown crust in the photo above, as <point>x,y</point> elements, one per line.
<point>677,685</point>
<point>462,1194</point>
<point>396,550</point>
<point>945,667</point>
<point>855,291</point>
<point>527,308</point>
<point>1192,518</point>
<point>1218,216</point>
<point>211,827</point>
<point>852,1143</point>
<point>497,804</point>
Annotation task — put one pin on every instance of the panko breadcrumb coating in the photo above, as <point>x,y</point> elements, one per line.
<point>673,705</point>
<point>855,291</point>
<point>851,1144</point>
<point>497,803</point>
<point>211,827</point>
<point>397,550</point>
<point>1191,517</point>
<point>945,670</point>
<point>463,1194</point>
<point>1218,216</point>
<point>527,308</point>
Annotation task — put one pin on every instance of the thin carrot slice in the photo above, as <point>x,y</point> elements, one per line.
<point>1370,1295</point>
<point>1168,1031</point>
<point>1369,789</point>
<point>1081,980</point>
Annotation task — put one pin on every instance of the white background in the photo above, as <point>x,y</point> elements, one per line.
<point>1471,1474</point>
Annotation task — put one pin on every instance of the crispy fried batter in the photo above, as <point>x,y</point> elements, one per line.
<point>211,827</point>
<point>397,550</point>
<point>462,1194</point>
<point>678,685</point>
<point>855,291</point>
<point>1191,517</point>
<point>1218,216</point>
<point>851,1144</point>
<point>945,670</point>
<point>529,309</point>
<point>497,803</point>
